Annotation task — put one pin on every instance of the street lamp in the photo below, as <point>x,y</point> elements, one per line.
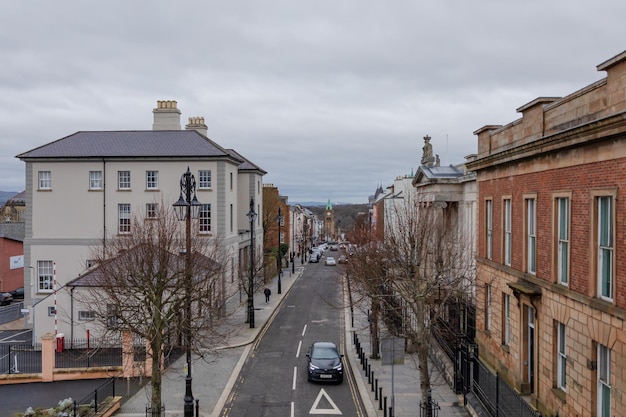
<point>293,242</point>
<point>186,209</point>
<point>280,261</point>
<point>252,217</point>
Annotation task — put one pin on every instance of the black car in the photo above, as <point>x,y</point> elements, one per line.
<point>5,298</point>
<point>325,363</point>
<point>18,294</point>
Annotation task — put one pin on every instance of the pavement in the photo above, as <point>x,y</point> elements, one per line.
<point>215,375</point>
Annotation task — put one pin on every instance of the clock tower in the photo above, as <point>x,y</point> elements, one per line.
<point>329,222</point>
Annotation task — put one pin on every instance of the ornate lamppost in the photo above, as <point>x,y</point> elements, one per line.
<point>186,209</point>
<point>252,217</point>
<point>280,261</point>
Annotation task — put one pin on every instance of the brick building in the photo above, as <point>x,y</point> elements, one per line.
<point>551,286</point>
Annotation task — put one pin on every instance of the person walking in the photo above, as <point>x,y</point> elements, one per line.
<point>267,293</point>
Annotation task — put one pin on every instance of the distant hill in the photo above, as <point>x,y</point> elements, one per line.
<point>5,195</point>
<point>344,213</point>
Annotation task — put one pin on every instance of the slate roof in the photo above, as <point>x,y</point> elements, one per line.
<point>129,144</point>
<point>246,165</point>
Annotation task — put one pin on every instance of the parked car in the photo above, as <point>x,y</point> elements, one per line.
<point>5,298</point>
<point>330,261</point>
<point>342,259</point>
<point>315,256</point>
<point>325,363</point>
<point>18,294</point>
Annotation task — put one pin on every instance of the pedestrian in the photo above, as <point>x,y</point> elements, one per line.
<point>267,293</point>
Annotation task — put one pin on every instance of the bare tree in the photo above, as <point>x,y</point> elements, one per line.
<point>413,274</point>
<point>139,286</point>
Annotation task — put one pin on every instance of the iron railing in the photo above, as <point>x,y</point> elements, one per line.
<point>20,359</point>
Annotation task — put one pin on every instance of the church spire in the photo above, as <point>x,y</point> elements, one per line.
<point>329,205</point>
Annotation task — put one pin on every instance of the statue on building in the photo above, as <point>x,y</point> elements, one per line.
<point>427,156</point>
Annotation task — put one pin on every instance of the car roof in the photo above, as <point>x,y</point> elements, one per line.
<point>324,345</point>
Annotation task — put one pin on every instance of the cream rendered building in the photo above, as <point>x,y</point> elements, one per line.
<point>86,186</point>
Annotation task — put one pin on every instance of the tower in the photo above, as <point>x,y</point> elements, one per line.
<point>329,221</point>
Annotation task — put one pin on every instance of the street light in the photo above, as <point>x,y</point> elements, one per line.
<point>252,217</point>
<point>280,261</point>
<point>293,242</point>
<point>186,209</point>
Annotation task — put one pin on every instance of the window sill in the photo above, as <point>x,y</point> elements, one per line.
<point>560,394</point>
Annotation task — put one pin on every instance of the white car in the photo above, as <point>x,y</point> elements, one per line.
<point>330,261</point>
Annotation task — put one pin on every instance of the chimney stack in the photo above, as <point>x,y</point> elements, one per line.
<point>166,116</point>
<point>197,124</point>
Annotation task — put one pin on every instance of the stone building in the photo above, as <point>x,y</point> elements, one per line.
<point>551,287</point>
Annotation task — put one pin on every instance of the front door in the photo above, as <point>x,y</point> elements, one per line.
<point>528,368</point>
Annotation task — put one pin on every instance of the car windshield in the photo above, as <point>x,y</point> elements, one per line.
<point>324,353</point>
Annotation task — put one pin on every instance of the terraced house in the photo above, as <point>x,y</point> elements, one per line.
<point>85,187</point>
<point>551,277</point>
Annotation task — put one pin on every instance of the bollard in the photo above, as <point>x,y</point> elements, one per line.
<point>390,411</point>
<point>369,374</point>
<point>197,408</point>
<point>380,398</point>
<point>385,406</point>
<point>376,389</point>
<point>372,381</point>
<point>365,364</point>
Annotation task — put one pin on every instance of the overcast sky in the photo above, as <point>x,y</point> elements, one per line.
<point>331,98</point>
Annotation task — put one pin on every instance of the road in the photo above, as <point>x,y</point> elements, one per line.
<point>273,381</point>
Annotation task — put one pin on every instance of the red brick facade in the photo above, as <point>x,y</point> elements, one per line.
<point>572,149</point>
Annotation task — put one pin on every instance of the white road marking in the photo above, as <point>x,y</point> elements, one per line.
<point>295,374</point>
<point>293,409</point>
<point>334,410</point>
<point>304,330</point>
<point>299,346</point>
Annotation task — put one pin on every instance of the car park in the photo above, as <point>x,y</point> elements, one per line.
<point>330,261</point>
<point>5,298</point>
<point>325,362</point>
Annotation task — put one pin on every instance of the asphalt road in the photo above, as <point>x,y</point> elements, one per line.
<point>273,380</point>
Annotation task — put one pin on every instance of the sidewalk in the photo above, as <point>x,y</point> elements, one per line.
<point>215,375</point>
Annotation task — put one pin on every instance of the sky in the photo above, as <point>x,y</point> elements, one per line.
<point>331,98</point>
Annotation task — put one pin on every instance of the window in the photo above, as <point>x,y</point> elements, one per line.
<point>45,180</point>
<point>231,217</point>
<point>488,307</point>
<point>51,311</point>
<point>123,180</point>
<point>562,224</point>
<point>204,179</point>
<point>489,226</point>
<point>86,315</point>
<point>152,210</point>
<point>205,218</point>
<point>531,236</point>
<point>152,180</point>
<point>123,218</point>
<point>561,357</point>
<point>95,180</point>
<point>89,263</point>
<point>45,276</point>
<point>605,247</point>
<point>507,232</point>
<point>604,381</point>
<point>506,319</point>
<point>231,180</point>
<point>112,320</point>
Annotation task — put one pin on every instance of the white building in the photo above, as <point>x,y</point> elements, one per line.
<point>85,187</point>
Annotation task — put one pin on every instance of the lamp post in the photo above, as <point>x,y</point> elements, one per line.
<point>252,217</point>
<point>186,209</point>
<point>293,242</point>
<point>280,261</point>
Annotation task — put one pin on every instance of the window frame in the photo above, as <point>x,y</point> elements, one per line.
<point>86,315</point>
<point>44,180</point>
<point>204,179</point>
<point>605,248</point>
<point>562,238</point>
<point>604,380</point>
<point>152,180</point>
<point>561,356</point>
<point>124,218</point>
<point>152,211</point>
<point>123,180</point>
<point>95,180</point>
<point>506,319</point>
<point>530,235</point>
<point>488,308</point>
<point>489,228</point>
<point>507,225</point>
<point>45,276</point>
<point>204,218</point>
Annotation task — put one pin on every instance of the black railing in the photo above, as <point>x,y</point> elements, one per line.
<point>88,353</point>
<point>11,312</point>
<point>96,400</point>
<point>20,359</point>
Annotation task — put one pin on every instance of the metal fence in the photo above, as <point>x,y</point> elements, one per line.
<point>11,313</point>
<point>20,359</point>
<point>88,353</point>
<point>96,400</point>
